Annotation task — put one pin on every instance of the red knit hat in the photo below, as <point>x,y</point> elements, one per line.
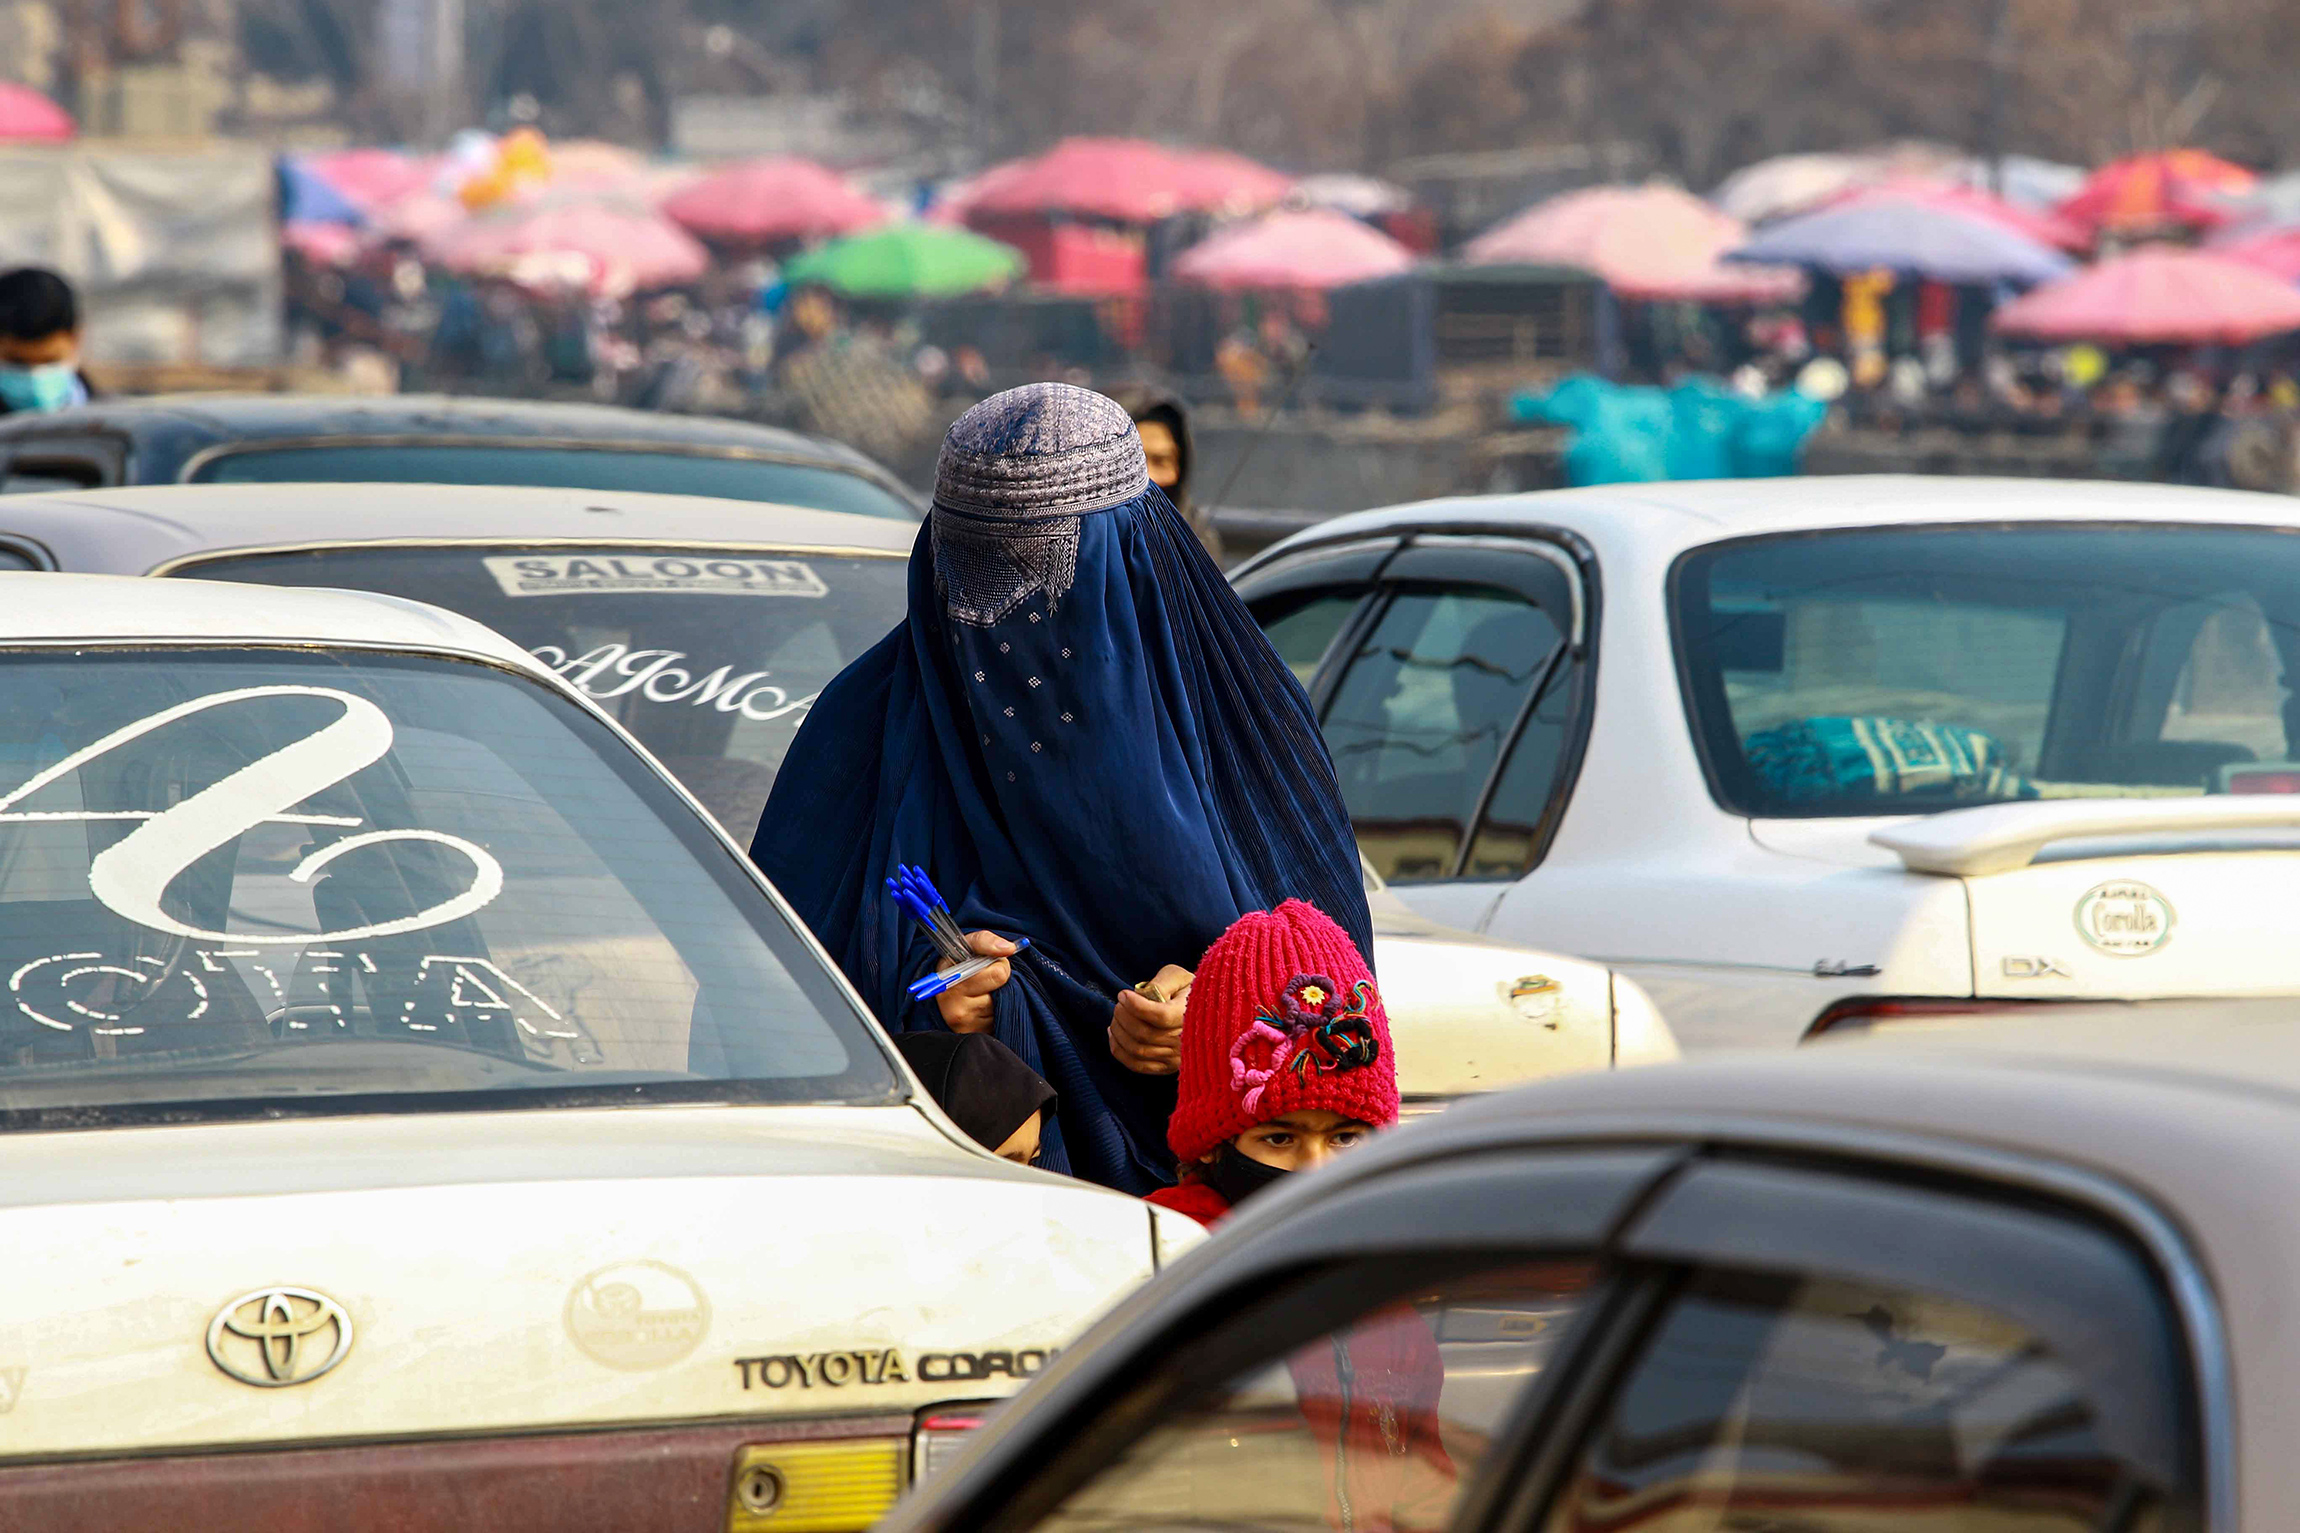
<point>1282,1016</point>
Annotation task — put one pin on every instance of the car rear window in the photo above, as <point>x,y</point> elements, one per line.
<point>252,876</point>
<point>711,656</point>
<point>1889,671</point>
<point>668,471</point>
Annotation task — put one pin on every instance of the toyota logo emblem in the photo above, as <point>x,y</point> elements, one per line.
<point>274,1337</point>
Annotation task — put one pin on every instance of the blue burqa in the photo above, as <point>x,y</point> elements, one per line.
<point>1117,772</point>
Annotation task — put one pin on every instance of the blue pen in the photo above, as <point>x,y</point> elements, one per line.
<point>928,986</point>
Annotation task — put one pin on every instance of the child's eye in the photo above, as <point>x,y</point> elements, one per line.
<point>1278,1141</point>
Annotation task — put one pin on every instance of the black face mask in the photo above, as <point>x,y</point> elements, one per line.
<point>1237,1176</point>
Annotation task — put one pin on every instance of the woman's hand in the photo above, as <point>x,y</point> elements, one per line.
<point>966,1007</point>
<point>1146,1035</point>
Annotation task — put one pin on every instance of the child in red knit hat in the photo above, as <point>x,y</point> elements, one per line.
<point>1285,1059</point>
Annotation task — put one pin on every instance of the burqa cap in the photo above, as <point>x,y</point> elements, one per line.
<point>1045,449</point>
<point>981,1083</point>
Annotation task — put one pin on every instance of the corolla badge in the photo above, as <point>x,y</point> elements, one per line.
<point>274,1337</point>
<point>2124,918</point>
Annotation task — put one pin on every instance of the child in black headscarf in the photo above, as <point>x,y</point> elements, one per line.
<point>984,1087</point>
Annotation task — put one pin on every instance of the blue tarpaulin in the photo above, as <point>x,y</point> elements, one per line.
<point>1697,430</point>
<point>307,197</point>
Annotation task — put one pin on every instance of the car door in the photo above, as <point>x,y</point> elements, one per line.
<point>1450,674</point>
<point>1833,1347</point>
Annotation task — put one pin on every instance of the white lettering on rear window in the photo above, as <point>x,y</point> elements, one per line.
<point>131,877</point>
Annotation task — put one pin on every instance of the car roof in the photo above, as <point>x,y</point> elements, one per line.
<point>105,609</point>
<point>1678,515</point>
<point>129,531</point>
<point>235,417</point>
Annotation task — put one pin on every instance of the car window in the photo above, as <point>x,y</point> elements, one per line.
<point>1303,627</point>
<point>1426,703</point>
<point>1830,1406</point>
<point>664,472</point>
<point>1866,672</point>
<point>1378,1422</point>
<point>253,875</point>
<point>712,657</point>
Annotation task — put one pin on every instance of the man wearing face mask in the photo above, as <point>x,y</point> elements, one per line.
<point>39,343</point>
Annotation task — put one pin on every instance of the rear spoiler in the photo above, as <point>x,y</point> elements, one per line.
<point>1997,838</point>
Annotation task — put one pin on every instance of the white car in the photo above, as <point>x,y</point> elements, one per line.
<point>415,1110</point>
<point>706,628</point>
<point>1788,751</point>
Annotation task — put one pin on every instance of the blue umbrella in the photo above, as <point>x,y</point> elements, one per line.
<point>1909,237</point>
<point>306,197</point>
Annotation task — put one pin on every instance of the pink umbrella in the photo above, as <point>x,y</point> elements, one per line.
<point>422,218</point>
<point>1129,180</point>
<point>1309,248</point>
<point>2157,294</point>
<point>321,244</point>
<point>1650,242</point>
<point>620,249</point>
<point>2046,228</point>
<point>371,178</point>
<point>2275,251</point>
<point>27,117</point>
<point>771,201</point>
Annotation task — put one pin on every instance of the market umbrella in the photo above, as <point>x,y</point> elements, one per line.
<point>608,248</point>
<point>27,117</point>
<point>1651,242</point>
<point>2271,204</point>
<point>421,218</point>
<point>1903,234</point>
<point>1786,183</point>
<point>2158,294</point>
<point>1128,180</point>
<point>371,178</point>
<point>770,201</point>
<point>2039,224</point>
<point>306,197</point>
<point>2172,188</point>
<point>907,260</point>
<point>1348,192</point>
<point>321,243</point>
<point>1293,248</point>
<point>2275,251</point>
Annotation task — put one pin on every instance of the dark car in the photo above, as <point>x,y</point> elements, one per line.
<point>434,439</point>
<point>1998,1281</point>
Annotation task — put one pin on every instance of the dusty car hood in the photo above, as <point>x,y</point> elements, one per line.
<point>507,1271</point>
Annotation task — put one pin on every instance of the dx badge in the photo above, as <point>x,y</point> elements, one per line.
<point>274,1337</point>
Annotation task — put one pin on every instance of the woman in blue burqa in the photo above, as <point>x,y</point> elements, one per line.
<point>1084,739</point>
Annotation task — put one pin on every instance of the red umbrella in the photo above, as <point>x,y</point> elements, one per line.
<point>319,243</point>
<point>770,201</point>
<point>1651,242</point>
<point>598,245</point>
<point>2046,228</point>
<point>1310,248</point>
<point>27,117</point>
<point>2158,294</point>
<point>1129,180</point>
<point>423,218</point>
<point>2173,188</point>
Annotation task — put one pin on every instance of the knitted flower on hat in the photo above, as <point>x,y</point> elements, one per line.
<point>1282,1017</point>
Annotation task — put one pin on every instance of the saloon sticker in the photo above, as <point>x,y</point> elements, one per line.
<point>689,574</point>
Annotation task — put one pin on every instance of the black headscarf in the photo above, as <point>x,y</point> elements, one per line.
<point>981,1083</point>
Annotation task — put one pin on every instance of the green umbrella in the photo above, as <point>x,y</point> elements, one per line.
<point>907,261</point>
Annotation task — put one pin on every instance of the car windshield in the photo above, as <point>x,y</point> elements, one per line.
<point>244,878</point>
<point>1884,672</point>
<point>662,471</point>
<point>711,656</point>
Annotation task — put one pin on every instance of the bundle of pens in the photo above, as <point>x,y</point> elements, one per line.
<point>911,889</point>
